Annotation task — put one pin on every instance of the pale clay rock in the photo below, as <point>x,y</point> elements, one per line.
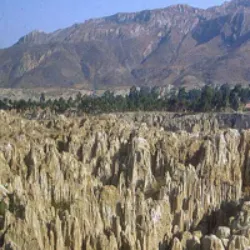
<point>107,182</point>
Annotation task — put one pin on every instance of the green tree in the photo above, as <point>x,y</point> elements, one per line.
<point>234,100</point>
<point>206,102</point>
<point>42,98</point>
<point>225,91</point>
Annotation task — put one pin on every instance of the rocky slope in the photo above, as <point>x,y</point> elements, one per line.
<point>109,182</point>
<point>177,45</point>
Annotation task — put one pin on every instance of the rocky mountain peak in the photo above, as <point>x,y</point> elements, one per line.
<point>123,18</point>
<point>236,3</point>
<point>35,36</point>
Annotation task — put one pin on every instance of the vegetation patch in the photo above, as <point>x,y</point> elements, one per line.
<point>207,99</point>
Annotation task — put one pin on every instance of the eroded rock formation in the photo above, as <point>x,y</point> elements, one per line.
<point>106,182</point>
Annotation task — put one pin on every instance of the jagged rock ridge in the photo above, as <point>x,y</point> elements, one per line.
<point>106,182</point>
<point>177,45</point>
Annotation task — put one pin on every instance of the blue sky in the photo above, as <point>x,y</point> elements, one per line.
<point>19,17</point>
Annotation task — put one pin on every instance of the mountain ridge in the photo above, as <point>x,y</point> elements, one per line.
<point>177,45</point>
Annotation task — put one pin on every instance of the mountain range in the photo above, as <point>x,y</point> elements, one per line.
<point>178,45</point>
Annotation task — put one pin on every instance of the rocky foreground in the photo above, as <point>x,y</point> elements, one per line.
<point>109,182</point>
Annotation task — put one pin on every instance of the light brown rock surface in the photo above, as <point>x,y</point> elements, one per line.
<point>110,183</point>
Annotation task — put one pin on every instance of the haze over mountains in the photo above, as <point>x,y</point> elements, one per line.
<point>178,45</point>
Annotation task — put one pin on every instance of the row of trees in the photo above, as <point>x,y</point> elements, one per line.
<point>207,99</point>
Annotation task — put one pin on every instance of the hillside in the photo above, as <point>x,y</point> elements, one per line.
<point>178,45</point>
